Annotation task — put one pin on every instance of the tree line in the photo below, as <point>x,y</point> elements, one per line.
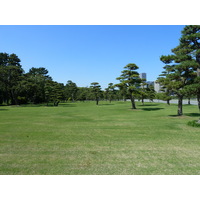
<point>37,86</point>
<point>180,78</point>
<point>181,75</point>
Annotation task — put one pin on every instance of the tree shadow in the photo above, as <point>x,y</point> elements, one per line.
<point>67,105</point>
<point>31,105</point>
<point>175,115</point>
<point>151,109</point>
<point>50,105</point>
<point>149,105</point>
<point>106,104</point>
<point>193,114</point>
<point>3,109</point>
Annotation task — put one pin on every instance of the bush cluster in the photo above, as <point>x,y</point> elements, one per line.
<point>193,123</point>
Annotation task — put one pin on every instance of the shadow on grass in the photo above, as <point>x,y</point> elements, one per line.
<point>178,116</point>
<point>67,105</point>
<point>106,104</point>
<point>151,109</point>
<point>193,114</point>
<point>3,109</point>
<point>175,115</point>
<point>50,105</point>
<point>32,105</point>
<point>148,105</point>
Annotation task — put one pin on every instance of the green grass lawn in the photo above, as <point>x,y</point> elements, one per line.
<point>82,138</point>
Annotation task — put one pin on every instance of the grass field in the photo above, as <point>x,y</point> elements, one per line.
<point>82,138</point>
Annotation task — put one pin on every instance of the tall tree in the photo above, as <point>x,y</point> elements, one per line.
<point>194,90</point>
<point>131,80</point>
<point>166,92</point>
<point>96,91</point>
<point>36,80</point>
<point>179,73</point>
<point>71,90</point>
<point>151,93</point>
<point>122,92</point>
<point>142,90</point>
<point>110,91</point>
<point>11,74</point>
<point>54,92</point>
<point>190,45</point>
<point>82,93</point>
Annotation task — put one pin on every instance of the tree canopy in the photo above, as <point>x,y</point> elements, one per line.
<point>182,66</point>
<point>130,80</point>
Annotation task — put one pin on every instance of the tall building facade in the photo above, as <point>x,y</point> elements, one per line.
<point>143,76</point>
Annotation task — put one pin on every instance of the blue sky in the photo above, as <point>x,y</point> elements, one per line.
<point>90,53</point>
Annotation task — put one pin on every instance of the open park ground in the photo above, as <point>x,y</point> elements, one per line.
<point>82,138</point>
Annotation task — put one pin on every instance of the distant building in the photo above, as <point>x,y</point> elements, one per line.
<point>198,72</point>
<point>157,87</point>
<point>143,76</point>
<point>150,83</point>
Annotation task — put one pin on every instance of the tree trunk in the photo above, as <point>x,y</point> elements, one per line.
<point>168,102</point>
<point>188,101</point>
<point>133,102</point>
<point>97,101</point>
<point>198,101</point>
<point>180,105</point>
<point>56,103</point>
<point>14,99</point>
<point>7,96</point>
<point>142,101</point>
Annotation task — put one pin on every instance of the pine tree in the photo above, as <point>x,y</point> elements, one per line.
<point>96,91</point>
<point>131,81</point>
<point>190,46</point>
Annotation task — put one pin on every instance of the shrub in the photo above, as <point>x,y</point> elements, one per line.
<point>22,100</point>
<point>193,123</point>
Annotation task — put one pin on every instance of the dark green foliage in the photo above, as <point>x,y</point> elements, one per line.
<point>164,96</point>
<point>193,123</point>
<point>71,91</point>
<point>36,86</point>
<point>123,92</point>
<point>54,92</point>
<point>190,44</point>
<point>151,93</point>
<point>130,81</point>
<point>96,91</point>
<point>37,79</point>
<point>142,91</point>
<point>182,66</point>
<point>110,92</point>
<point>82,93</point>
<point>9,60</point>
<point>11,75</point>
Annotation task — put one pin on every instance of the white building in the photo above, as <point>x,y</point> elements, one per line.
<point>150,83</point>
<point>198,72</point>
<point>157,87</point>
